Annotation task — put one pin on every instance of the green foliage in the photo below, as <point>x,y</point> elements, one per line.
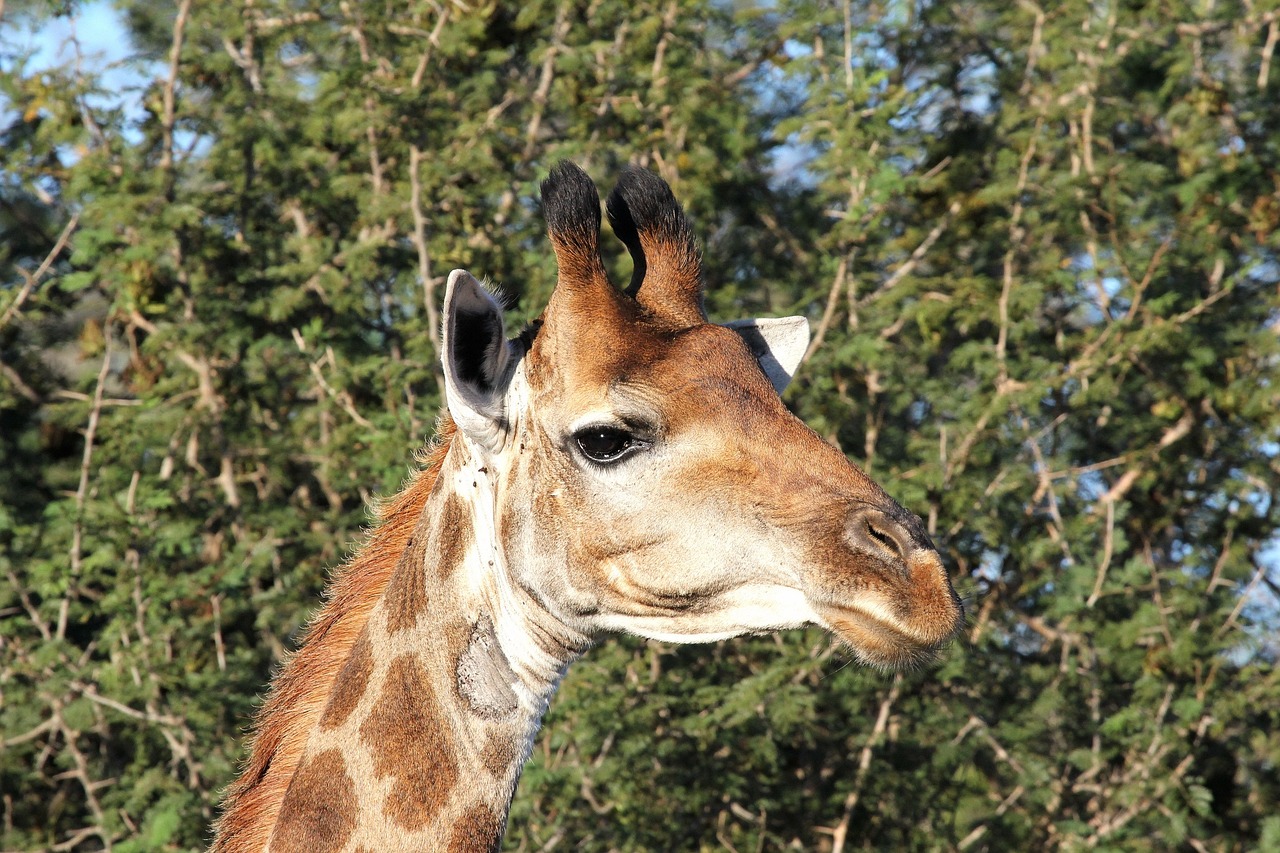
<point>1039,251</point>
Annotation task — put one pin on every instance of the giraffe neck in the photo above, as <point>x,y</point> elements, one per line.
<point>422,738</point>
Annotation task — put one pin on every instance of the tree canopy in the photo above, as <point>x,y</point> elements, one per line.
<point>1038,245</point>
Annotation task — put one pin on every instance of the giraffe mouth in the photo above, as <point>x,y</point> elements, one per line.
<point>879,642</point>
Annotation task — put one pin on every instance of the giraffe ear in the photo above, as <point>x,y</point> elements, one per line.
<point>778,343</point>
<point>476,359</point>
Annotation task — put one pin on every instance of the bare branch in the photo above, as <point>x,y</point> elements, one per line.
<point>837,285</point>
<point>420,244</point>
<point>44,726</point>
<point>1015,237</point>
<point>1105,563</point>
<point>433,40</point>
<point>28,605</point>
<point>34,278</point>
<point>840,835</point>
<point>909,265</point>
<point>90,693</point>
<point>82,490</point>
<point>168,116</point>
<point>541,93</point>
<point>1268,50</point>
<point>20,386</point>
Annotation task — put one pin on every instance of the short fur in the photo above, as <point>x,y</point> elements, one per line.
<point>733,517</point>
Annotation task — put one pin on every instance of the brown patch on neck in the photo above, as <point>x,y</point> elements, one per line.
<point>350,684</point>
<point>406,596</point>
<point>453,549</point>
<point>319,810</point>
<point>501,752</point>
<point>479,828</point>
<point>406,735</point>
<point>301,691</point>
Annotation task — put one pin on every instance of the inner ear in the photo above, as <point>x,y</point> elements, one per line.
<point>476,358</point>
<point>477,341</point>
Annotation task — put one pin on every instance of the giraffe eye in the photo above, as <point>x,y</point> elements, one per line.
<point>606,444</point>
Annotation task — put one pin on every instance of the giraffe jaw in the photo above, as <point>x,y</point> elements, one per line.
<point>748,610</point>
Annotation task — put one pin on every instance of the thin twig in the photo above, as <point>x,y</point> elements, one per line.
<point>1268,50</point>
<point>420,244</point>
<point>909,265</point>
<point>1107,545</point>
<point>88,692</point>
<point>558,33</point>
<point>433,40</point>
<point>34,278</point>
<point>837,285</point>
<point>864,764</point>
<point>168,116</point>
<point>1015,237</point>
<point>82,490</point>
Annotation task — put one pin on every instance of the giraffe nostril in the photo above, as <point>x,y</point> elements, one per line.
<point>886,541</point>
<point>875,532</point>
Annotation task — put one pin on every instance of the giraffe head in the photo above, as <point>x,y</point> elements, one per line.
<point>644,474</point>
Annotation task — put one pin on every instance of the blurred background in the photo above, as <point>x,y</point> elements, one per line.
<point>1037,243</point>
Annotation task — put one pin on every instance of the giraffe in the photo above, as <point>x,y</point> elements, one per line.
<point>623,465</point>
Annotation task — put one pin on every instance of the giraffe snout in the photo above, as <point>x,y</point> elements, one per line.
<point>907,595</point>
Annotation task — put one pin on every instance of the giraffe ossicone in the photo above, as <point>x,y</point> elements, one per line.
<point>622,465</point>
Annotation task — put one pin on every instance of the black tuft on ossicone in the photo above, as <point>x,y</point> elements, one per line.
<point>667,280</point>
<point>571,205</point>
<point>642,203</point>
<point>624,227</point>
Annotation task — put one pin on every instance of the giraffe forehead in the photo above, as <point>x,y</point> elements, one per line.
<point>702,395</point>
<point>703,372</point>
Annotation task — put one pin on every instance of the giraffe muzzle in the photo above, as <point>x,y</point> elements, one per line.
<point>903,609</point>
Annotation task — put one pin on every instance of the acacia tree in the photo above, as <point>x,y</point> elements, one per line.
<point>1058,281</point>
<point>1038,249</point>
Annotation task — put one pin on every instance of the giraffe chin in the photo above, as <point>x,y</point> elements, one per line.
<point>878,642</point>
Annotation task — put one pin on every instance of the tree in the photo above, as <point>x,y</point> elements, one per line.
<point>1038,247</point>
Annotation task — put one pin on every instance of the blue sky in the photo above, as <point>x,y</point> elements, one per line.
<point>96,25</point>
<point>103,46</point>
